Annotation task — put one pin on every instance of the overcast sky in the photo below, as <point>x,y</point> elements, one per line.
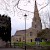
<point>9,7</point>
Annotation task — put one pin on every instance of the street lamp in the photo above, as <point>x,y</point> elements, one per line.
<point>25,29</point>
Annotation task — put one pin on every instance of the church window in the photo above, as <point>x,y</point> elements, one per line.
<point>35,26</point>
<point>31,40</point>
<point>30,33</point>
<point>17,39</point>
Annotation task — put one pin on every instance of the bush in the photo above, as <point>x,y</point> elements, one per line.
<point>43,43</point>
<point>31,43</point>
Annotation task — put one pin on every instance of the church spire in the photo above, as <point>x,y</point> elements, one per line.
<point>36,13</point>
<point>36,9</point>
<point>36,23</point>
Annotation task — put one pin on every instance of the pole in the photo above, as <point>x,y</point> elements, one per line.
<point>25,30</point>
<point>25,33</point>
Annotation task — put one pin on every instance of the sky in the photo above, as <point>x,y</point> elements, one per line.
<point>17,12</point>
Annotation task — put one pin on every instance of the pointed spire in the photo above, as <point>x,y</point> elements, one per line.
<point>36,9</point>
<point>36,18</point>
<point>35,2</point>
<point>36,13</point>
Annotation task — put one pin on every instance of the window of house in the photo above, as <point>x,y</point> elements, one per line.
<point>30,33</point>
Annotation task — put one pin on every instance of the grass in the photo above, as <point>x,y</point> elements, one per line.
<point>21,44</point>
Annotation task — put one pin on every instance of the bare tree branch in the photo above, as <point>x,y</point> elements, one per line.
<point>19,8</point>
<point>26,10</point>
<point>44,7</point>
<point>17,4</point>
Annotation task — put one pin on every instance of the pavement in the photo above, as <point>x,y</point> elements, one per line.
<point>28,48</point>
<point>13,49</point>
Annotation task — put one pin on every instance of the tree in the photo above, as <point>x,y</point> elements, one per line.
<point>15,3</point>
<point>12,6</point>
<point>47,20</point>
<point>45,34</point>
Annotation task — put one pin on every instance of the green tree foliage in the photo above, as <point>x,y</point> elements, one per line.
<point>45,34</point>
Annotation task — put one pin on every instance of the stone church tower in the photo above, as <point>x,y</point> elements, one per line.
<point>36,23</point>
<point>31,33</point>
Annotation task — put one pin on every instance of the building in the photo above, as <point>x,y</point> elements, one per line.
<point>5,28</point>
<point>31,33</point>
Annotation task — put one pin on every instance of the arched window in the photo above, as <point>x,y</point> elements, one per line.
<point>30,33</point>
<point>35,26</point>
<point>31,40</point>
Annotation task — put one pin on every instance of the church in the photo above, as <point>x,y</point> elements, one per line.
<point>32,32</point>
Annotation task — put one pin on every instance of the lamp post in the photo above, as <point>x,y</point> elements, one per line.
<point>25,29</point>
